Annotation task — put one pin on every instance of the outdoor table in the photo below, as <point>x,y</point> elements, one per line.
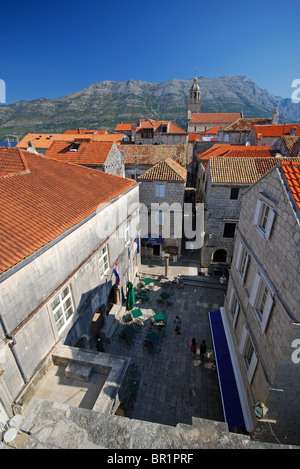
<point>143,294</point>
<point>136,313</point>
<point>152,337</point>
<point>148,280</point>
<point>159,317</point>
<point>129,331</point>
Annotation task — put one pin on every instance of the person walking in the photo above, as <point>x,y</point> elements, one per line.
<point>202,348</point>
<point>177,322</point>
<point>193,346</point>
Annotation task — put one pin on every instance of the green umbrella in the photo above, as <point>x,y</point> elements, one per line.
<point>130,296</point>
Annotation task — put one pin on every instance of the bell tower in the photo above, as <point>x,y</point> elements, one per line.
<point>194,98</point>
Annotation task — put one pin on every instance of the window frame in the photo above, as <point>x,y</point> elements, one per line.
<point>224,228</point>
<point>242,260</point>
<point>101,254</point>
<point>259,217</point>
<point>234,307</point>
<point>234,193</point>
<point>60,305</point>
<point>259,287</point>
<point>245,345</point>
<point>158,187</point>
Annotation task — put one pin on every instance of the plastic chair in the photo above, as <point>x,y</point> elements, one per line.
<point>17,419</point>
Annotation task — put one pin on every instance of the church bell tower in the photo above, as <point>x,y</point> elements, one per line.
<point>194,98</point>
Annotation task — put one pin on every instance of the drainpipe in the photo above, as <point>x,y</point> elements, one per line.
<point>11,345</point>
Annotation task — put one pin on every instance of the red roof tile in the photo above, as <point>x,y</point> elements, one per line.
<point>212,131</point>
<point>88,153</point>
<point>291,171</point>
<point>45,140</point>
<point>275,130</point>
<point>86,132</point>
<point>156,125</point>
<point>222,149</point>
<point>215,117</point>
<point>48,198</point>
<point>124,127</point>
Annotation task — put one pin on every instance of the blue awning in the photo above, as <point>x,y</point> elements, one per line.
<point>230,397</point>
<point>153,240</point>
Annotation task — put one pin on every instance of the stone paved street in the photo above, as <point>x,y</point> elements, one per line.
<point>173,387</point>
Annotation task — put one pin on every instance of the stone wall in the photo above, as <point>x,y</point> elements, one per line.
<point>219,209</point>
<point>276,379</point>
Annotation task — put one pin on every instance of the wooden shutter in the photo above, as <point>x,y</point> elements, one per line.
<point>254,290</point>
<point>269,224</point>
<point>257,212</point>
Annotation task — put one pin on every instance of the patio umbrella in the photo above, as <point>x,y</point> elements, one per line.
<point>130,296</point>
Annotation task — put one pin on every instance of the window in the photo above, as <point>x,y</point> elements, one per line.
<point>160,190</point>
<point>103,261</point>
<point>261,299</point>
<point>263,218</point>
<point>247,351</point>
<point>229,230</point>
<point>234,193</point>
<point>74,147</point>
<point>62,308</point>
<point>242,261</point>
<point>160,218</point>
<point>234,307</point>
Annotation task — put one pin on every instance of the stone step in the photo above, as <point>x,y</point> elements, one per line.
<point>78,371</point>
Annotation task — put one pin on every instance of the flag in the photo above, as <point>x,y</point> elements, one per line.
<point>115,271</point>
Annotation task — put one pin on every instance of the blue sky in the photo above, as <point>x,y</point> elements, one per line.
<point>53,48</point>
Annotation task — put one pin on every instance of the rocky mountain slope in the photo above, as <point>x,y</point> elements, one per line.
<point>104,104</point>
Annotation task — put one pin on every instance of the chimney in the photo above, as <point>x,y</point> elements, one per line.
<point>293,130</point>
<point>32,145</point>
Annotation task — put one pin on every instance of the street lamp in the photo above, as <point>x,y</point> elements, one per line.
<point>260,410</point>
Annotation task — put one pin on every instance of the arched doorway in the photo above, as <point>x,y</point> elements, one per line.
<point>220,255</point>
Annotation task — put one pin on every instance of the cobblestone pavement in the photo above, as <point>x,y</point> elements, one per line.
<point>172,387</point>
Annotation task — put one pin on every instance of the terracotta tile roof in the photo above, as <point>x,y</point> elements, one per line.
<point>86,131</point>
<point>167,170</point>
<point>275,130</point>
<point>211,131</point>
<point>12,163</point>
<point>289,141</point>
<point>88,153</point>
<point>239,170</point>
<point>156,125</point>
<point>194,136</point>
<point>45,140</point>
<point>215,117</point>
<point>223,149</point>
<point>49,198</point>
<point>245,124</point>
<point>291,171</point>
<point>152,154</point>
<point>124,127</point>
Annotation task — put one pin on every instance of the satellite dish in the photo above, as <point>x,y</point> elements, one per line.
<point>31,150</point>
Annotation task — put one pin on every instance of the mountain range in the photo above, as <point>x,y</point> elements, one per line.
<point>105,104</point>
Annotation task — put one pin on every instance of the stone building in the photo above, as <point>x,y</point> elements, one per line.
<point>140,158</point>
<point>151,132</point>
<point>103,156</point>
<point>226,180</point>
<point>162,190</point>
<point>261,315</point>
<point>237,133</point>
<point>63,229</point>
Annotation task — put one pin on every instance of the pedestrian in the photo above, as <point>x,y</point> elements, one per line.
<point>178,282</point>
<point>202,348</point>
<point>193,345</point>
<point>177,322</point>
